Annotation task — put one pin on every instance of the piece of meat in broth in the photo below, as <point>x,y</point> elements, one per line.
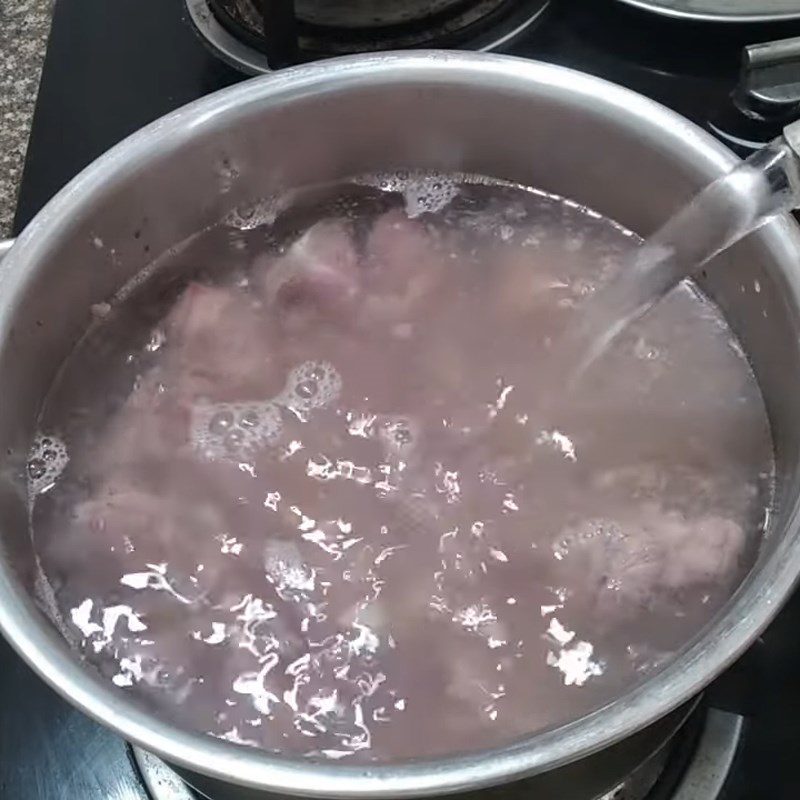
<point>150,426</point>
<point>154,421</point>
<point>317,278</point>
<point>636,559</point>
<point>696,486</point>
<point>403,268</point>
<point>525,279</point>
<point>160,529</point>
<point>216,345</point>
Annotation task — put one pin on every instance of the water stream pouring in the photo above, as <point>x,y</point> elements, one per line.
<point>763,186</point>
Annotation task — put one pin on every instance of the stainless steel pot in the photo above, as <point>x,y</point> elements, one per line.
<point>540,125</point>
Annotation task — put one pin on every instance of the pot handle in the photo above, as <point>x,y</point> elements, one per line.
<point>5,246</point>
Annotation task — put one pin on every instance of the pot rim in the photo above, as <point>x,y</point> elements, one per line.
<point>746,615</point>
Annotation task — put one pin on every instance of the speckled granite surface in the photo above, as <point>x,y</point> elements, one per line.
<point>24,26</point>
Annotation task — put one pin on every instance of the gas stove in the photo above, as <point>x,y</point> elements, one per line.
<point>112,67</point>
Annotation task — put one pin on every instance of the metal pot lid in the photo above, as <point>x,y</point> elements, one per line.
<point>723,10</point>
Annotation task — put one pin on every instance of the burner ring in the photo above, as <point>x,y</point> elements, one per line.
<point>224,44</point>
<point>248,59</point>
<point>161,782</point>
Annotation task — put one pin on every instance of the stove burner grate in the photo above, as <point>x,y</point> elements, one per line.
<point>255,43</point>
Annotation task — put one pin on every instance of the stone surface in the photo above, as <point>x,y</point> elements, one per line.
<point>24,27</point>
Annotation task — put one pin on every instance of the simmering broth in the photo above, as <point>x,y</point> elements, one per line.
<point>312,483</point>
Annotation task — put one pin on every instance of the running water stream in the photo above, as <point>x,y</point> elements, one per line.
<point>752,193</point>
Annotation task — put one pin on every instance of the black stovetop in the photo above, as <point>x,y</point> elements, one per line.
<point>115,65</point>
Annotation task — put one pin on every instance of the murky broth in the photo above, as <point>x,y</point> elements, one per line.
<point>313,484</point>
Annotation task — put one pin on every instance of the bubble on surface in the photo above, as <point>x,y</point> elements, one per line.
<point>47,459</point>
<point>398,433</point>
<point>423,192</point>
<point>311,385</point>
<point>261,213</point>
<point>228,173</point>
<point>221,422</point>
<point>100,310</point>
<point>233,430</point>
<point>643,350</point>
<point>286,570</point>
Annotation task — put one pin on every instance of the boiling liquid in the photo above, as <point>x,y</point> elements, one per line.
<point>300,490</point>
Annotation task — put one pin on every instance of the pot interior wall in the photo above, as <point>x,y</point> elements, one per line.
<point>571,143</point>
